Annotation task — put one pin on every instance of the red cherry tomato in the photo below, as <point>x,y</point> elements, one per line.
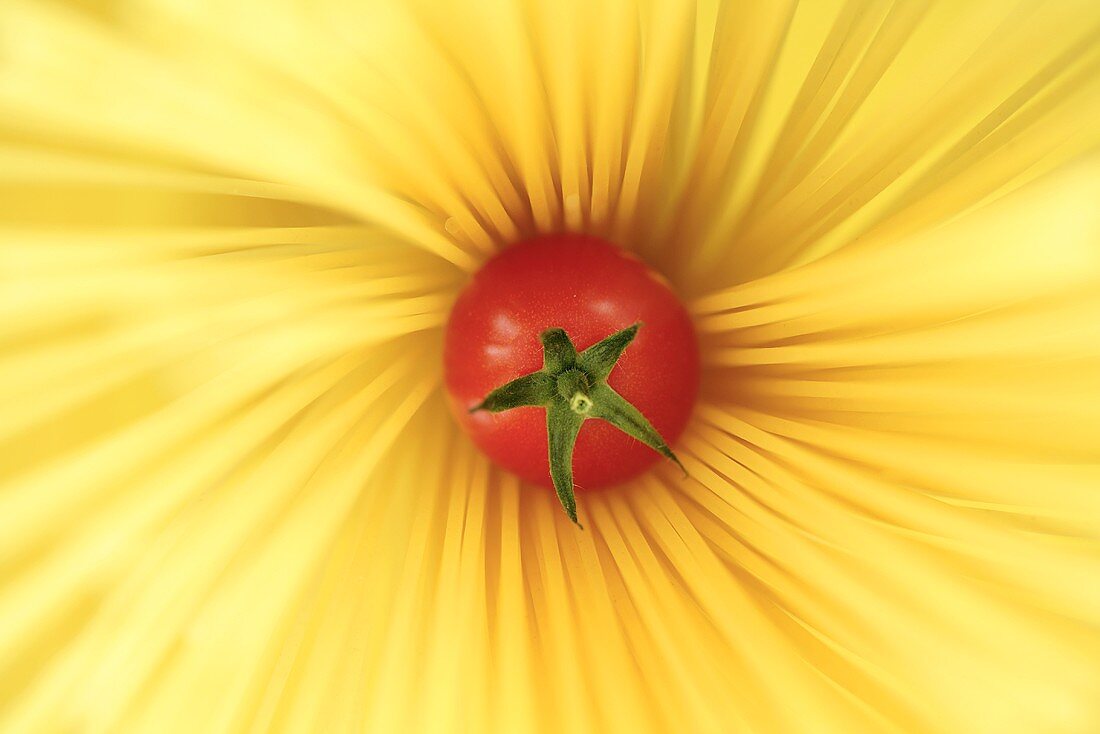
<point>590,289</point>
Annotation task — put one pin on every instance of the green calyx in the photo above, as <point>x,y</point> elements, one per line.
<point>573,387</point>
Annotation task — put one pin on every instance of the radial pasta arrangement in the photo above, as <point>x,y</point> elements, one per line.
<point>837,261</point>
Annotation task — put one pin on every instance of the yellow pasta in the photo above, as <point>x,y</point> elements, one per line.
<point>232,498</point>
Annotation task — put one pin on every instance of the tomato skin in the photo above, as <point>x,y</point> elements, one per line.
<point>591,289</point>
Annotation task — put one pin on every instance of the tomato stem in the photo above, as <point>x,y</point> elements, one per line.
<point>580,403</point>
<point>573,387</point>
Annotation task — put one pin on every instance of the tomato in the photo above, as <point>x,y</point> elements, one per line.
<point>590,289</point>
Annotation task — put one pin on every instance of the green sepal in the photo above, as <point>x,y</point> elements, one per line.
<point>573,388</point>
<point>537,388</point>
<point>599,359</point>
<point>558,352</point>
<point>609,406</point>
<point>562,427</point>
